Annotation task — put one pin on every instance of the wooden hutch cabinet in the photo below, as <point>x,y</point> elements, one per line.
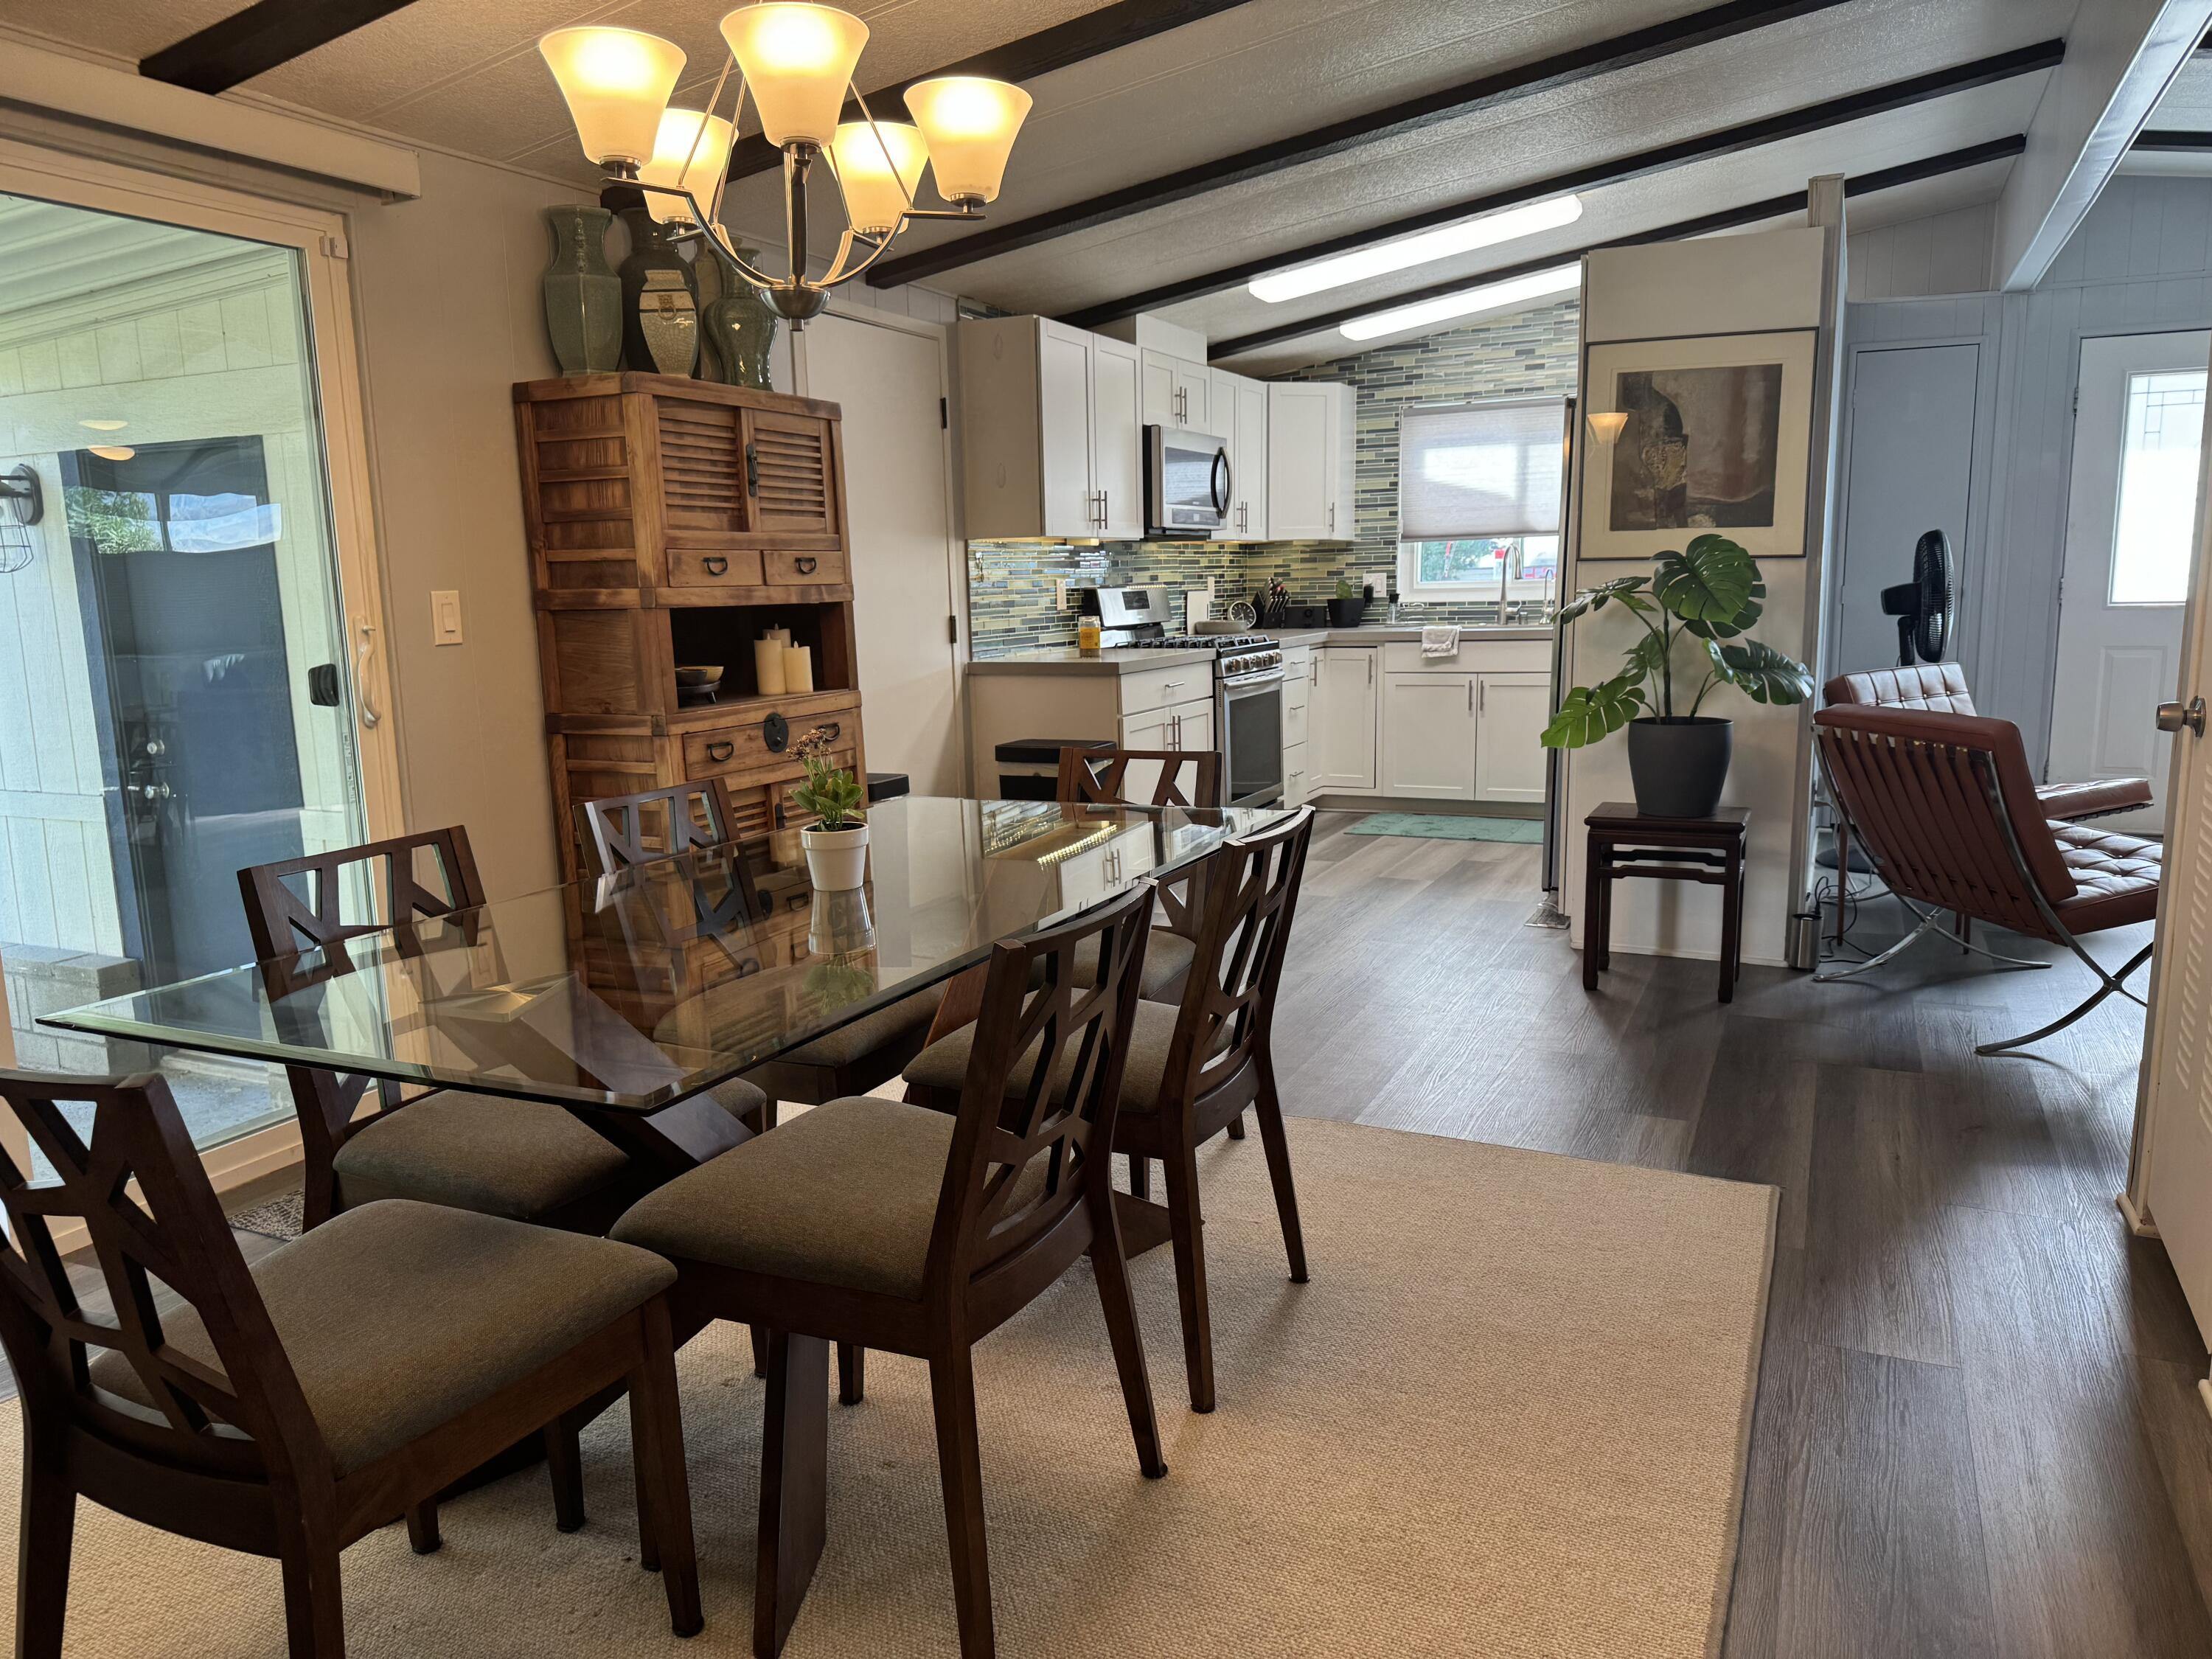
<point>671,521</point>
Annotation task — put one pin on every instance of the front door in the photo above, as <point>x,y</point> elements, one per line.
<point>2129,526</point>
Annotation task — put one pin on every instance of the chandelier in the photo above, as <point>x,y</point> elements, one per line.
<point>795,62</point>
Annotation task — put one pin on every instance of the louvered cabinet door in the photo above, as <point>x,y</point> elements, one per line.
<point>791,463</point>
<point>702,468</point>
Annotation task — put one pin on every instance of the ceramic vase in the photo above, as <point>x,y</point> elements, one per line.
<point>583,296</point>
<point>659,300</point>
<point>740,329</point>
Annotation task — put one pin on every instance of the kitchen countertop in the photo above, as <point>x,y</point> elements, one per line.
<point>1066,660</point>
<point>1401,634</point>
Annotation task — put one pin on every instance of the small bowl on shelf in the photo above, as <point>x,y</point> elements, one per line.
<point>698,683</point>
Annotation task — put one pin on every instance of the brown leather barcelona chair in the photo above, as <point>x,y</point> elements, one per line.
<point>1945,806</point>
<point>289,1410</point>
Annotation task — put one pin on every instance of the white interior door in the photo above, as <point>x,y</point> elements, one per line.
<point>888,379</point>
<point>2171,1183</point>
<point>2130,520</point>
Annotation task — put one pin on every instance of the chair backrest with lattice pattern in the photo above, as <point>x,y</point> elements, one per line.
<point>656,823</point>
<point>1249,896</point>
<point>1100,776</point>
<point>241,1418</point>
<point>1036,1118</point>
<point>285,919</point>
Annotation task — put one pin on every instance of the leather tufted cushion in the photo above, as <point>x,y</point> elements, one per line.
<point>2117,877</point>
<point>1939,686</point>
<point>2073,802</point>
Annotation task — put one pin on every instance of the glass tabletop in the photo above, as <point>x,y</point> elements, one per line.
<point>639,990</point>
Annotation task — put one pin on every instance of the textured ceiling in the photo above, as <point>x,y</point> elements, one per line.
<point>464,75</point>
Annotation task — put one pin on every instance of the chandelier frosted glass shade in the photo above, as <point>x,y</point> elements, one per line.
<point>616,83</point>
<point>797,60</point>
<point>879,166</point>
<point>683,159</point>
<point>969,125</point>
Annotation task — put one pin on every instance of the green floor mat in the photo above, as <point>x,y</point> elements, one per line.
<point>1447,826</point>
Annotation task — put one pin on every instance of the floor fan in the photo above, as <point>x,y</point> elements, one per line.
<point>1922,605</point>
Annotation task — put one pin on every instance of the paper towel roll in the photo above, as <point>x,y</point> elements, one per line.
<point>797,668</point>
<point>768,657</point>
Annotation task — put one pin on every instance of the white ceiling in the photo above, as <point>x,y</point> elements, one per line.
<point>465,76</point>
<point>2186,107</point>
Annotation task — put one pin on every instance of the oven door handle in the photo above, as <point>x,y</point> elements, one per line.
<point>1252,681</point>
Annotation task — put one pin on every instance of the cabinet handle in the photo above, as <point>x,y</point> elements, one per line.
<point>1370,668</point>
<point>721,751</point>
<point>1173,686</point>
<point>715,567</point>
<point>807,566</point>
<point>1105,510</point>
<point>1331,518</point>
<point>753,470</point>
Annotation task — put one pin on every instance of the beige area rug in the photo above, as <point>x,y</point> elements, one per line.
<point>1506,1418</point>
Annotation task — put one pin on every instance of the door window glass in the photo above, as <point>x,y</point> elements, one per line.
<point>2156,526</point>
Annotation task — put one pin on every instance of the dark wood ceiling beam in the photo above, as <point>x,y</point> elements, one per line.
<point>256,40</point>
<point>1751,213</point>
<point>1599,58</point>
<point>1109,28</point>
<point>2173,140</point>
<point>1752,135</point>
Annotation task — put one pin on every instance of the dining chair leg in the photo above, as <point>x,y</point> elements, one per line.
<point>656,1427</point>
<point>314,1609</point>
<point>48,1530</point>
<point>960,1468</point>
<point>760,1349</point>
<point>641,1474</point>
<point>564,1462</point>
<point>423,1534</point>
<point>1120,1306</point>
<point>852,1373</point>
<point>1268,1108</point>
<point>1237,1127</point>
<point>1186,1229</point>
<point>1140,1176</point>
<point>793,1485</point>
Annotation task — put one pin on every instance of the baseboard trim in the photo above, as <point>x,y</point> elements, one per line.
<point>2138,1223</point>
<point>2204,1393</point>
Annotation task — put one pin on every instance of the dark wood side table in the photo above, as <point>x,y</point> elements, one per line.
<point>1623,843</point>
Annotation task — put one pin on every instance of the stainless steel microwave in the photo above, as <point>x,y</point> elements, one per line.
<point>1186,484</point>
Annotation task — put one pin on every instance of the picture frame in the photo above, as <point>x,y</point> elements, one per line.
<point>1717,438</point>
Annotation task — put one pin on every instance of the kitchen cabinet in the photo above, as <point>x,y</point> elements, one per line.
<point>1510,712</point>
<point>1051,430</point>
<point>1178,394</point>
<point>1310,449</point>
<point>1429,736</point>
<point>1340,724</point>
<point>1239,408</point>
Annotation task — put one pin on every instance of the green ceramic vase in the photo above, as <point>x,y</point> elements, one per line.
<point>740,329</point>
<point>583,296</point>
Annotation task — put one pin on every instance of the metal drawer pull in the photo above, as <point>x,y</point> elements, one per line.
<point>807,566</point>
<point>715,567</point>
<point>721,751</point>
<point>753,470</point>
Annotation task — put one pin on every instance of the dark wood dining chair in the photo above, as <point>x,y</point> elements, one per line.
<point>1102,776</point>
<point>288,1410</point>
<point>526,1160</point>
<point>849,1060</point>
<point>1195,1065</point>
<point>867,1222</point>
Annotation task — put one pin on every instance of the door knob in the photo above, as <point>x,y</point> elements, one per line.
<point>2173,716</point>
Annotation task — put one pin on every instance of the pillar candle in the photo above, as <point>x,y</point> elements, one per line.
<point>768,657</point>
<point>797,668</point>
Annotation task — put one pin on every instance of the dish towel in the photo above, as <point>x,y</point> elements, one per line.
<point>1440,641</point>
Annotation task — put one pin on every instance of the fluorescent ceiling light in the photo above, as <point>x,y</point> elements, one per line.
<point>1467,302</point>
<point>1386,256</point>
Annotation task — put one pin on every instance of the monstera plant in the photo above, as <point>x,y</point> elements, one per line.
<point>1697,608</point>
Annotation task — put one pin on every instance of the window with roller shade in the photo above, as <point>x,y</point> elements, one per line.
<point>1479,494</point>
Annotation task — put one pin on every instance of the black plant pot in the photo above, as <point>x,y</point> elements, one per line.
<point>1679,766</point>
<point>1346,613</point>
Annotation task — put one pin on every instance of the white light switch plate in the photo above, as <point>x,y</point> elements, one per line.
<point>444,616</point>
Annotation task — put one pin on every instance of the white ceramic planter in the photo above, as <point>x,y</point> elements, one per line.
<point>836,859</point>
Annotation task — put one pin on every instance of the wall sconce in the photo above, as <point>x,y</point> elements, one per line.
<point>1607,428</point>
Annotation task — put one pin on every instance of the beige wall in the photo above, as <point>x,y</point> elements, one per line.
<point>446,290</point>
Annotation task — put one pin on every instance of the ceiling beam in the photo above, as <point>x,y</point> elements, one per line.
<point>1587,62</point>
<point>2173,139</point>
<point>1109,28</point>
<point>1752,135</point>
<point>1735,218</point>
<point>256,40</point>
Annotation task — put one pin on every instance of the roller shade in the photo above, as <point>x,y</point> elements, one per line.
<point>1489,469</point>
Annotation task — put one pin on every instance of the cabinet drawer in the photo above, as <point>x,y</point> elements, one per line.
<point>788,569</point>
<point>1294,724</point>
<point>1296,694</point>
<point>718,748</point>
<point>1158,688</point>
<point>698,567</point>
<point>1297,783</point>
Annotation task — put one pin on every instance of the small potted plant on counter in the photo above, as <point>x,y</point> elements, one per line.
<point>1345,610</point>
<point>1711,592</point>
<point>837,842</point>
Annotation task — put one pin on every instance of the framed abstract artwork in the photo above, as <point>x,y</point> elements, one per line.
<point>1715,437</point>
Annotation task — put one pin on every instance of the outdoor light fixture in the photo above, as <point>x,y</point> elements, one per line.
<point>1467,302</point>
<point>796,62</point>
<point>1386,256</point>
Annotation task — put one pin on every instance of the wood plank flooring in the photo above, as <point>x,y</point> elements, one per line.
<point>1978,1432</point>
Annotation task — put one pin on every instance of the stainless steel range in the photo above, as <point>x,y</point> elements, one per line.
<point>1248,714</point>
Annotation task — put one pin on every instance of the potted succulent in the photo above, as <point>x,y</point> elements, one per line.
<point>1711,593</point>
<point>1345,610</point>
<point>836,843</point>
